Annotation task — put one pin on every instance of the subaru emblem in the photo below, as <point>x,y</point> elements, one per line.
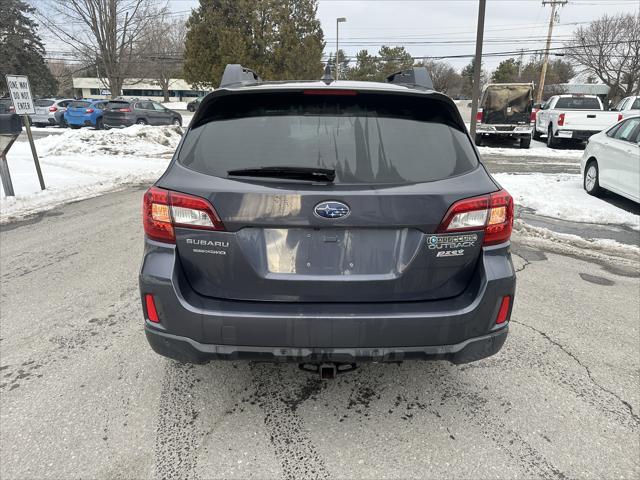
<point>331,209</point>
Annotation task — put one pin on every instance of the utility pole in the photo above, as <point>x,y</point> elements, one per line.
<point>339,20</point>
<point>552,19</point>
<point>475,95</point>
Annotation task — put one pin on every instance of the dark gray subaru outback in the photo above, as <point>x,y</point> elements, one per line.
<point>327,223</point>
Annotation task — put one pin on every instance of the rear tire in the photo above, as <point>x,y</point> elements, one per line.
<point>99,125</point>
<point>74,127</point>
<point>591,181</point>
<point>141,121</point>
<point>478,140</point>
<point>191,108</point>
<point>176,122</point>
<point>552,142</point>
<point>536,134</point>
<point>525,142</point>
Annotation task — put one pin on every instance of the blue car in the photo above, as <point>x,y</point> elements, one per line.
<point>85,113</point>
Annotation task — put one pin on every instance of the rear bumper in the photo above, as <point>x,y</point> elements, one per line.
<point>576,134</point>
<point>187,350</point>
<point>117,123</point>
<point>505,133</point>
<point>195,328</point>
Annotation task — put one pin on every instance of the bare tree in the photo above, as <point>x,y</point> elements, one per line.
<point>63,73</point>
<point>444,76</point>
<point>162,51</point>
<point>609,49</point>
<point>100,32</point>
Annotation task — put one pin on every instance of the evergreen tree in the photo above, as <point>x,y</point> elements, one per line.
<point>365,68</point>
<point>467,78</point>
<point>276,38</point>
<point>22,50</point>
<point>508,71</point>
<point>392,59</point>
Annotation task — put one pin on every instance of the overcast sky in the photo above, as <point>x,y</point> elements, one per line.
<point>428,27</point>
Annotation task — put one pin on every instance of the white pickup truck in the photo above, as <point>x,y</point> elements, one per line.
<point>572,117</point>
<point>628,107</point>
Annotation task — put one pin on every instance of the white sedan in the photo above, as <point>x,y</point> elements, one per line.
<point>611,160</point>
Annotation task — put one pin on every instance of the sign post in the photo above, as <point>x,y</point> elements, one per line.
<point>23,103</point>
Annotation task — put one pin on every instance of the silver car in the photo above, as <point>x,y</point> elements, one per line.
<point>46,109</point>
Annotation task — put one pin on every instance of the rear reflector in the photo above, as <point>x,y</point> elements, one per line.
<point>503,313</point>
<point>152,313</point>
<point>163,210</point>
<point>331,91</point>
<point>492,213</point>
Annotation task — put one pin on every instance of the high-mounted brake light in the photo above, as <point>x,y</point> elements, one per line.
<point>479,116</point>
<point>53,109</point>
<point>492,213</point>
<point>331,91</point>
<point>561,119</point>
<point>163,210</point>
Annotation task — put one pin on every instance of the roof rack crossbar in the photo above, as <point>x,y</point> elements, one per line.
<point>416,76</point>
<point>235,73</point>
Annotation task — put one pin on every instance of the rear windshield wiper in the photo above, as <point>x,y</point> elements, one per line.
<point>292,173</point>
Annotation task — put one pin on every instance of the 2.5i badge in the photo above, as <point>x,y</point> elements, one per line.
<point>451,245</point>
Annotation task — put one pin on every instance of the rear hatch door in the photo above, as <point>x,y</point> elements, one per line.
<point>400,161</point>
<point>77,112</point>
<point>115,112</point>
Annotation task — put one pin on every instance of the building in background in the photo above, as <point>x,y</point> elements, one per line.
<point>92,87</point>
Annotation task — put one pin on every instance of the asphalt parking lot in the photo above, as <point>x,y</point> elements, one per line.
<point>83,396</point>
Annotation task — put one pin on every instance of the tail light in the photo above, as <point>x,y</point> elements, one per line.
<point>89,110</point>
<point>619,116</point>
<point>53,108</point>
<point>479,116</point>
<point>12,108</point>
<point>163,210</point>
<point>532,118</point>
<point>492,213</point>
<point>561,119</point>
<point>503,312</point>
<point>126,109</point>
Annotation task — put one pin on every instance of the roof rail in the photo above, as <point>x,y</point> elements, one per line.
<point>236,73</point>
<point>415,77</point>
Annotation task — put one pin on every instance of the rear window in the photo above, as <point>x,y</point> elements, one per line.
<point>43,103</point>
<point>79,104</point>
<point>578,103</point>
<point>636,104</point>
<point>366,138</point>
<point>116,105</point>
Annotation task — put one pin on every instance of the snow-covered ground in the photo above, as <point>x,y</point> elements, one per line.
<point>79,164</point>
<point>175,105</point>
<point>538,149</point>
<point>562,196</point>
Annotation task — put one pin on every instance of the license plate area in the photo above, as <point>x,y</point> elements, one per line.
<point>339,252</point>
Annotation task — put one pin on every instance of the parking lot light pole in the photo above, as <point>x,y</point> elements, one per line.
<point>475,95</point>
<point>339,20</point>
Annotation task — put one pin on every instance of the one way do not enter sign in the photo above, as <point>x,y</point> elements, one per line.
<point>20,94</point>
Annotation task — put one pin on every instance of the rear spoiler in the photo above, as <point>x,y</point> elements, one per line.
<point>234,73</point>
<point>412,77</point>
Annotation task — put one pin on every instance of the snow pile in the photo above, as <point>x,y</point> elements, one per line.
<point>175,105</point>
<point>142,140</point>
<point>538,149</point>
<point>84,163</point>
<point>562,196</point>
